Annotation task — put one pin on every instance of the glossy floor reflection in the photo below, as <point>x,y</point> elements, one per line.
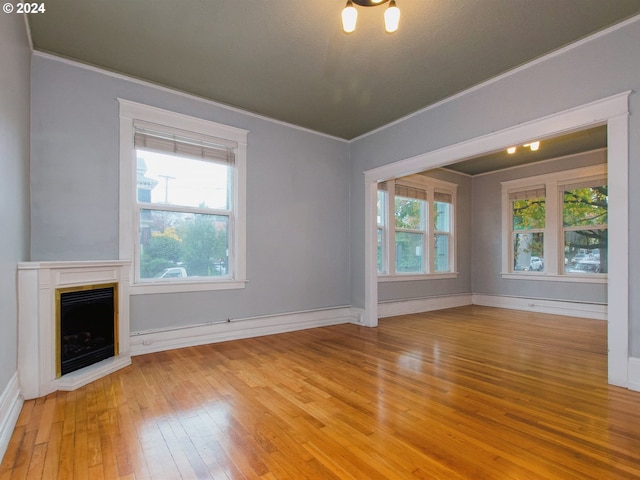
<point>465,393</point>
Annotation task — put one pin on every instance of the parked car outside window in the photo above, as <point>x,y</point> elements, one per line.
<point>536,264</point>
<point>173,272</point>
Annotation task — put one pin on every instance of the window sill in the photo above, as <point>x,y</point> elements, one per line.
<point>554,277</point>
<point>421,276</point>
<point>178,287</point>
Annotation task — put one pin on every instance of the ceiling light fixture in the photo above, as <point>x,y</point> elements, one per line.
<point>350,14</point>
<point>533,146</point>
<point>391,17</point>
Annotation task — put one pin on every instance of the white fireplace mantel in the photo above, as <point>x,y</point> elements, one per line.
<point>37,284</point>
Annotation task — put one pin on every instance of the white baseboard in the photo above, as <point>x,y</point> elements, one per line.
<point>418,305</point>
<point>149,341</point>
<point>634,374</point>
<point>10,406</point>
<point>557,307</point>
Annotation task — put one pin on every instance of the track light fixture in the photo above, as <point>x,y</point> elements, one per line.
<point>350,14</point>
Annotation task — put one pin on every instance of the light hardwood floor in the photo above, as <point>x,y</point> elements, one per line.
<point>465,393</point>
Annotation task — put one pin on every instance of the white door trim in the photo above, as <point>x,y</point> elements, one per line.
<point>614,112</point>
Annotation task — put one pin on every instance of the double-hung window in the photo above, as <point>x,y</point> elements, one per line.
<point>410,210</point>
<point>415,227</point>
<point>182,201</point>
<point>527,228</point>
<point>584,226</point>
<point>555,225</point>
<point>443,232</point>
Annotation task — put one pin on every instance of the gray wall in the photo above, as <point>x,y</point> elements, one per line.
<point>605,65</point>
<point>405,290</point>
<point>15,58</point>
<point>302,234</point>
<point>487,244</point>
<point>297,201</point>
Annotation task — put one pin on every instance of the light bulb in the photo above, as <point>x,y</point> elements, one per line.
<point>534,146</point>
<point>391,17</point>
<point>349,18</point>
<point>511,150</point>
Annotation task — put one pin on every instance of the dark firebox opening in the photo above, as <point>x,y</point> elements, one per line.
<point>87,324</point>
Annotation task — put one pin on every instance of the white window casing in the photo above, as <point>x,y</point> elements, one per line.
<point>155,129</point>
<point>429,190</point>
<point>551,186</point>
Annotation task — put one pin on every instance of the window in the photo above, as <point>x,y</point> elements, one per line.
<point>182,201</point>
<point>528,223</point>
<point>584,227</point>
<point>421,233</point>
<point>556,225</point>
<point>410,232</point>
<point>442,227</point>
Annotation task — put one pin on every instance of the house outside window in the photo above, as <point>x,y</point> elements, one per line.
<point>182,201</point>
<point>555,225</point>
<point>419,241</point>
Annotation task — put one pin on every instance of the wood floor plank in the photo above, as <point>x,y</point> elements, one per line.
<point>52,459</point>
<point>465,393</point>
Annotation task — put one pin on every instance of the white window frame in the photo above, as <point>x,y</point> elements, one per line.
<point>553,231</point>
<point>422,231</point>
<point>131,112</point>
<point>382,222</point>
<point>430,186</point>
<point>448,233</point>
<point>525,195</point>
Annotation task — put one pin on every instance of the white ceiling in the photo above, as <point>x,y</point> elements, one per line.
<point>289,59</point>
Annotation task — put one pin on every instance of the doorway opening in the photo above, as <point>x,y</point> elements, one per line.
<point>612,112</point>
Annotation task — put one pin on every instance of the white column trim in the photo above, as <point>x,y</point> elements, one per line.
<point>618,288</point>
<point>370,316</point>
<point>634,374</point>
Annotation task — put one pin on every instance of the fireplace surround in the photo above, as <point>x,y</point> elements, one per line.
<point>41,285</point>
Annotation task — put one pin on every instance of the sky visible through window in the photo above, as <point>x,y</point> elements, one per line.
<point>186,181</point>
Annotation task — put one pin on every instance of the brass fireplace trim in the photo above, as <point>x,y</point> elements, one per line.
<point>80,288</point>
